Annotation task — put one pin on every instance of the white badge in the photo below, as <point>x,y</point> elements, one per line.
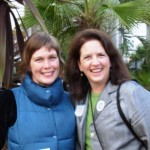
<point>46,149</point>
<point>100,105</point>
<point>79,110</point>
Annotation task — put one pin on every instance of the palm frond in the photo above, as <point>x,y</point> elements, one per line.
<point>36,14</point>
<point>132,12</point>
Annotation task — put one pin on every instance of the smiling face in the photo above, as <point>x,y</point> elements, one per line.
<point>95,64</point>
<point>45,66</point>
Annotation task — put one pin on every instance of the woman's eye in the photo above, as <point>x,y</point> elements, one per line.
<point>53,58</point>
<point>87,57</point>
<point>101,55</point>
<point>38,59</point>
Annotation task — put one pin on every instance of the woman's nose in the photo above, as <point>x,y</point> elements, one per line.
<point>95,61</point>
<point>47,63</point>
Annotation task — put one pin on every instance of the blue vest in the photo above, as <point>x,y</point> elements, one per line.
<point>45,118</point>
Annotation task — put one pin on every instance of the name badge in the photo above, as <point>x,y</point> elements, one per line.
<point>100,105</point>
<point>79,110</point>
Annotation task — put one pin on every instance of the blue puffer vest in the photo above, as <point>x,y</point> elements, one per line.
<point>45,118</point>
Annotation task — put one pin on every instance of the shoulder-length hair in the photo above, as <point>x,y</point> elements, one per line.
<point>79,85</point>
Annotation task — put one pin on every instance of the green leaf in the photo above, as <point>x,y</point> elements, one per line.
<point>36,14</point>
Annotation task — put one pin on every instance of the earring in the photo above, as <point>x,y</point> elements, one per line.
<point>81,74</point>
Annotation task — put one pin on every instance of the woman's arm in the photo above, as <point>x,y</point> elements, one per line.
<point>139,109</point>
<point>8,114</point>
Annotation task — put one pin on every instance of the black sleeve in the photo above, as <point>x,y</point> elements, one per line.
<point>8,114</point>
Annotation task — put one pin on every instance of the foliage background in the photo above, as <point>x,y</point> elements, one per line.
<point>63,18</point>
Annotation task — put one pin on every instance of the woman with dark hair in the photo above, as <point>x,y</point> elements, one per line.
<point>94,71</point>
<point>32,115</point>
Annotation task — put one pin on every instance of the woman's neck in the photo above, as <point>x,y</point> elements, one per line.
<point>96,89</point>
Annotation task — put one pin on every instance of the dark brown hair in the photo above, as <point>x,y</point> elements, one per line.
<point>79,86</point>
<point>35,42</point>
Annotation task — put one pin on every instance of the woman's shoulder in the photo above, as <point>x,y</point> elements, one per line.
<point>132,85</point>
<point>135,88</point>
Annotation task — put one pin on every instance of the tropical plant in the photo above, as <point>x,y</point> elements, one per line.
<point>143,78</point>
<point>142,55</point>
<point>126,45</point>
<point>65,17</point>
<point>141,62</point>
<point>8,47</point>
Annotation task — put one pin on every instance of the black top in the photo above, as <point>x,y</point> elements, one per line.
<point>8,114</point>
